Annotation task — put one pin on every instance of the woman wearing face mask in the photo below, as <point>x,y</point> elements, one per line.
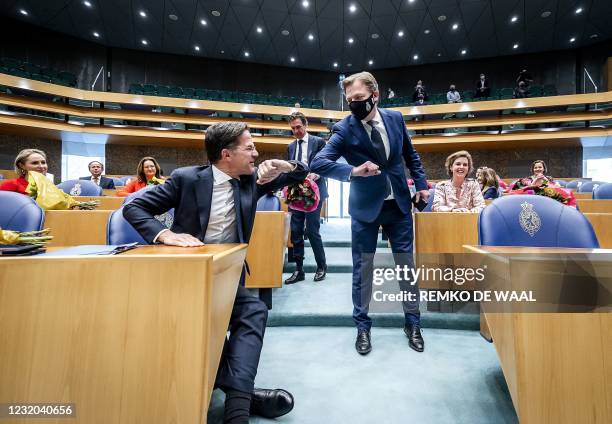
<point>453,95</point>
<point>459,194</point>
<point>148,172</point>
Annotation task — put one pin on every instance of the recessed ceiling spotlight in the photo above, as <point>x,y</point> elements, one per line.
<point>86,3</point>
<point>96,34</point>
<point>23,12</point>
<point>415,57</point>
<point>335,64</point>
<point>350,40</point>
<point>546,14</point>
<point>222,51</point>
<point>144,42</point>
<point>292,59</point>
<point>305,3</point>
<point>455,26</point>
<point>464,51</point>
<point>349,64</point>
<point>216,13</point>
<point>173,17</point>
<point>375,36</point>
<point>400,34</point>
<point>353,8</point>
<point>439,54</point>
<point>427,31</point>
<point>410,1</point>
<point>285,32</point>
<point>196,48</point>
<point>572,39</point>
<point>203,22</point>
<point>515,46</point>
<point>310,37</point>
<point>514,19</point>
<point>143,13</point>
<point>593,35</point>
<point>259,30</point>
<point>442,18</point>
<point>370,62</point>
<point>578,11</point>
<point>246,54</point>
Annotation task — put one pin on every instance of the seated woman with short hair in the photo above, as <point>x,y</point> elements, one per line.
<point>148,172</point>
<point>490,184</point>
<point>459,194</point>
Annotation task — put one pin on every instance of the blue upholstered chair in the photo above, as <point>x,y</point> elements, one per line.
<point>20,212</point>
<point>80,188</point>
<point>604,191</point>
<point>429,200</point>
<point>589,186</point>
<point>119,231</point>
<point>574,184</point>
<point>561,183</point>
<point>535,221</point>
<point>269,202</point>
<point>126,179</point>
<point>118,182</point>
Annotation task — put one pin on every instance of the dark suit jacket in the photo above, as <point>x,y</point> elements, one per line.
<point>105,182</point>
<point>189,191</point>
<point>350,139</point>
<point>315,144</point>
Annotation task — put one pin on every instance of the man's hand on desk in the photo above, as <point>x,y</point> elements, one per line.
<point>268,170</point>
<point>182,240</point>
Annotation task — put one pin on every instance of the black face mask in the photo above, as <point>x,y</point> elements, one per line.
<point>362,108</point>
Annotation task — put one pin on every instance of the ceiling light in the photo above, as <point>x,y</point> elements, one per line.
<point>349,64</point>
<point>305,3</point>
<point>310,37</point>
<point>23,12</point>
<point>350,40</point>
<point>203,22</point>
<point>455,26</point>
<point>285,32</point>
<point>335,64</point>
<point>144,42</point>
<point>410,1</point>
<point>246,54</point>
<point>173,17</point>
<point>593,36</point>
<point>442,18</point>
<point>572,39</point>
<point>515,46</point>
<point>578,11</point>
<point>546,14</point>
<point>370,62</point>
<point>259,30</point>
<point>427,31</point>
<point>464,51</point>
<point>197,48</point>
<point>96,34</point>
<point>222,51</point>
<point>143,13</point>
<point>439,54</point>
<point>86,3</point>
<point>415,57</point>
<point>400,34</point>
<point>514,19</point>
<point>292,59</point>
<point>216,13</point>
<point>352,8</point>
<point>375,36</point>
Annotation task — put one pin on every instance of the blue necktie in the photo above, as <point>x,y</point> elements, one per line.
<point>299,154</point>
<point>236,188</point>
<point>379,146</point>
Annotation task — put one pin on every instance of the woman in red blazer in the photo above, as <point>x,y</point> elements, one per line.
<point>148,173</point>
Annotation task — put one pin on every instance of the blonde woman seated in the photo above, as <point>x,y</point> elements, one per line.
<point>459,194</point>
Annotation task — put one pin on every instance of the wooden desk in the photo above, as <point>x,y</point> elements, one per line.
<point>132,338</point>
<point>75,227</point>
<point>106,202</point>
<point>558,366</point>
<point>583,196</point>
<point>594,206</point>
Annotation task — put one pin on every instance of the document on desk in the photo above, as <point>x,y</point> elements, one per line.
<point>93,249</point>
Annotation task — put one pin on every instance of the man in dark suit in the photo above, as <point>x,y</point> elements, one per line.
<point>374,141</point>
<point>303,149</point>
<point>96,169</point>
<point>217,204</point>
<point>482,87</point>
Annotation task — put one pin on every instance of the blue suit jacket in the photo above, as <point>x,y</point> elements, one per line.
<point>315,144</point>
<point>350,140</point>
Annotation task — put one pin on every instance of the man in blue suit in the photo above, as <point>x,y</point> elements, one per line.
<point>374,141</point>
<point>303,149</point>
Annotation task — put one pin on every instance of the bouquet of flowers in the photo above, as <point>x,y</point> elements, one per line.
<point>302,196</point>
<point>525,186</point>
<point>156,181</point>
<point>38,238</point>
<point>49,197</point>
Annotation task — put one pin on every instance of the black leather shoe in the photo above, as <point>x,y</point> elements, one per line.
<point>320,274</point>
<point>363,345</point>
<point>415,339</point>
<point>295,277</point>
<point>271,403</point>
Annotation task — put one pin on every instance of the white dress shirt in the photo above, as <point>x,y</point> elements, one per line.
<point>304,158</point>
<point>96,180</point>
<point>222,222</point>
<point>380,126</point>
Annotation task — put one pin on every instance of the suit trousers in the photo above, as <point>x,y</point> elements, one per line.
<point>240,357</point>
<point>398,227</point>
<point>313,225</point>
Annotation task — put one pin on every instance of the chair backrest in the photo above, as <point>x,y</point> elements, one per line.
<point>269,202</point>
<point>430,200</point>
<point>589,186</point>
<point>535,221</point>
<point>604,191</point>
<point>126,179</point>
<point>120,231</point>
<point>20,212</point>
<point>80,188</point>
<point>561,183</point>
<point>118,182</point>
<point>574,184</point>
